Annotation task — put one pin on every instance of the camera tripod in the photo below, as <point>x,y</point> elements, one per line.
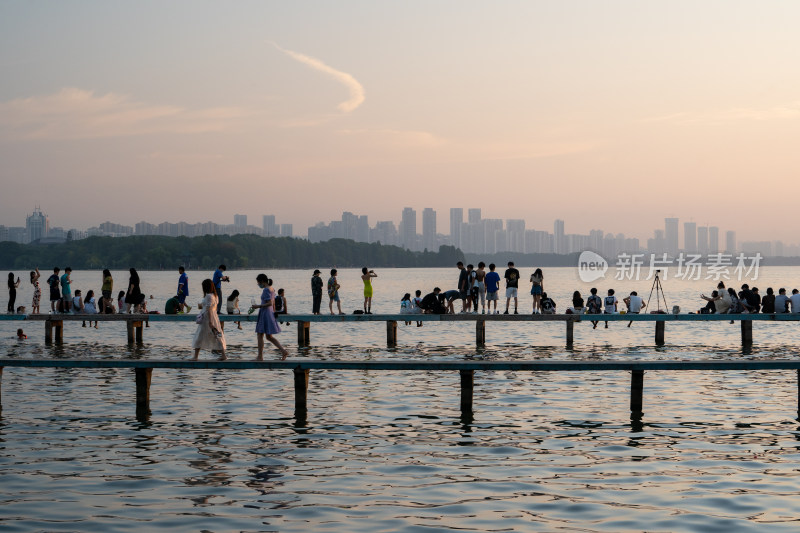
<point>659,290</point>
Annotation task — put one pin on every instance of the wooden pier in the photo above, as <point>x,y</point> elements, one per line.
<point>54,324</point>
<point>143,372</point>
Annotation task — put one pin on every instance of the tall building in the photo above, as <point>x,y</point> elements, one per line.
<point>286,230</point>
<point>730,242</point>
<point>671,236</point>
<point>690,237</point>
<point>515,235</point>
<point>362,229</point>
<point>702,240</point>
<point>240,221</point>
<point>456,220</point>
<point>349,225</point>
<point>559,241</point>
<point>270,228</point>
<point>36,225</point>
<point>474,215</point>
<point>429,229</point>
<point>713,240</point>
<point>408,232</point>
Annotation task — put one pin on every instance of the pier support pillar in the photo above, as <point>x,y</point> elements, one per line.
<point>303,333</point>
<point>637,389</point>
<point>48,331</point>
<point>143,377</point>
<point>391,332</point>
<point>660,332</point>
<point>137,327</point>
<point>49,326</point>
<point>467,386</point>
<point>129,324</point>
<point>300,390</point>
<point>480,332</point>
<point>747,332</point>
<point>570,332</point>
<point>1,388</point>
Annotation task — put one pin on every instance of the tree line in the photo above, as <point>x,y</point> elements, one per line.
<point>153,252</point>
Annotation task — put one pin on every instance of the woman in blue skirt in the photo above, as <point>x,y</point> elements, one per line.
<point>267,325</point>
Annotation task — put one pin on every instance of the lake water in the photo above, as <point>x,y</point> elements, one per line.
<point>390,451</point>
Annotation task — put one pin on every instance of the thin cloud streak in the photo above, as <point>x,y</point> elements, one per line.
<point>357,95</point>
<point>779,112</point>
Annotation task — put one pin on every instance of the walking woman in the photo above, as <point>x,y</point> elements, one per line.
<point>267,325</point>
<point>37,292</point>
<point>12,291</point>
<point>366,277</point>
<point>537,287</point>
<point>209,334</point>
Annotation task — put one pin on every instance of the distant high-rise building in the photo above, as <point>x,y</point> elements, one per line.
<point>286,230</point>
<point>713,240</point>
<point>349,225</point>
<point>671,236</point>
<point>429,229</point>
<point>702,240</point>
<point>559,241</point>
<point>408,232</point>
<point>515,234</point>
<point>36,225</point>
<point>474,215</point>
<point>240,221</point>
<point>730,242</point>
<point>690,237</point>
<point>456,220</point>
<point>362,229</point>
<point>270,228</point>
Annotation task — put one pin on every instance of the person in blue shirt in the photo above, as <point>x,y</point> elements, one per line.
<point>183,291</point>
<point>492,288</point>
<point>219,277</point>
<point>66,289</point>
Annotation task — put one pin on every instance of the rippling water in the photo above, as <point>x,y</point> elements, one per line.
<point>390,451</point>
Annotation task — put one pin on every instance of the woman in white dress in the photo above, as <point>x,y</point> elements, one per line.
<point>209,334</point>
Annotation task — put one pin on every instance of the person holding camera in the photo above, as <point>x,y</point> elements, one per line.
<point>219,277</point>
<point>366,277</point>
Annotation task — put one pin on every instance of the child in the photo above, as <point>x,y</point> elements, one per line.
<point>281,305</point>
<point>121,301</point>
<point>233,306</point>
<point>21,335</point>
<point>406,306</point>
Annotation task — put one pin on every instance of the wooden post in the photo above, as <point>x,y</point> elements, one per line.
<point>130,331</point>
<point>137,326</point>
<point>48,331</point>
<point>467,386</point>
<point>480,332</point>
<point>637,389</point>
<point>1,387</point>
<point>143,376</point>
<point>570,331</point>
<point>303,333</point>
<point>747,332</point>
<point>300,389</point>
<point>660,332</point>
<point>391,332</point>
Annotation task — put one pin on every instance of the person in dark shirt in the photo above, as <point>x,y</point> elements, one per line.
<point>316,292</point>
<point>431,303</point>
<point>512,283</point>
<point>463,285</point>
<point>768,301</point>
<point>172,306</point>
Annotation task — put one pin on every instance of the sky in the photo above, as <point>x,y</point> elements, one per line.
<point>610,115</point>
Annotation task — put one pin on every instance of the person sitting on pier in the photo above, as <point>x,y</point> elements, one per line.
<point>781,301</point>
<point>594,305</point>
<point>610,303</point>
<point>748,299</point>
<point>713,302</point>
<point>406,306</point>
<point>755,300</point>
<point>76,304</point>
<point>548,305</point>
<point>281,304</point>
<point>794,301</point>
<point>172,307</point>
<point>232,306</point>
<point>634,303</point>
<point>768,301</point>
<point>430,304</point>
<point>417,310</point>
<point>577,304</point>
<point>90,307</point>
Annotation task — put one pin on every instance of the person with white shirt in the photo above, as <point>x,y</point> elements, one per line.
<point>634,303</point>
<point>610,304</point>
<point>794,301</point>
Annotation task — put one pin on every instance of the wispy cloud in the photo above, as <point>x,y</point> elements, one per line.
<point>353,86</point>
<point>778,112</point>
<point>80,114</point>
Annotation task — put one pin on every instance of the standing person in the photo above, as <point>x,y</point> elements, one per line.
<point>463,285</point>
<point>537,286</point>
<point>209,334</point>
<point>610,303</point>
<point>333,292</point>
<point>366,277</point>
<point>479,288</point>
<point>512,284</point>
<point>492,281</point>
<point>66,288</point>
<point>267,325</point>
<point>232,307</point>
<point>472,290</point>
<point>37,292</point>
<point>183,291</point>
<point>316,292</point>
<point>594,305</point>
<point>634,303</point>
<point>219,277</point>
<point>107,289</point>
<point>55,292</point>
<point>12,291</point>
<point>134,296</point>
<point>768,301</point>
